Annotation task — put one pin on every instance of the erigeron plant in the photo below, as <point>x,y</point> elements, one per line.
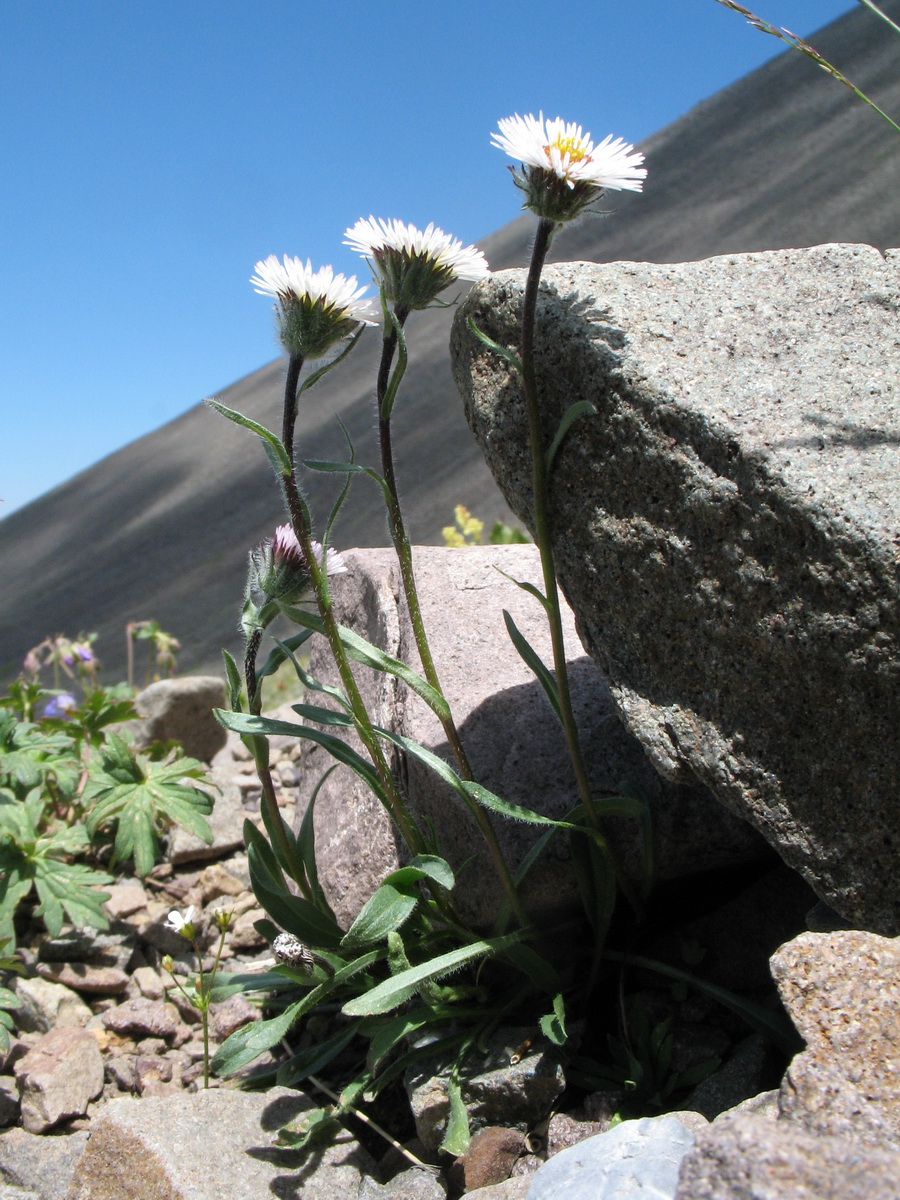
<point>385,979</point>
<point>408,936</point>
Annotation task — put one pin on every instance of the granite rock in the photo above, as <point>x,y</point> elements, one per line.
<point>842,991</point>
<point>636,1159</point>
<point>726,526</point>
<point>181,710</point>
<point>752,1158</point>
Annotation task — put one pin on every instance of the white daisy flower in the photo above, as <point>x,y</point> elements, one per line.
<point>560,158</point>
<point>563,148</point>
<point>415,264</point>
<point>315,308</point>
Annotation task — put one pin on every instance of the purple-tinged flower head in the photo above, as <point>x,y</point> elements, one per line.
<point>280,570</point>
<point>314,309</point>
<point>415,265</point>
<point>562,170</point>
<point>59,705</point>
<point>84,652</point>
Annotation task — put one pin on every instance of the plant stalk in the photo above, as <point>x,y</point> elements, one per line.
<point>318,574</point>
<point>403,548</point>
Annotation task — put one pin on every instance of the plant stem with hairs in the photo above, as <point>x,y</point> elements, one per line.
<point>386,388</point>
<point>300,522</point>
<point>542,536</point>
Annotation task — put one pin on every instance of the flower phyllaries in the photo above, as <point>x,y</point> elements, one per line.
<point>314,309</point>
<point>279,569</point>
<point>415,265</point>
<point>563,171</point>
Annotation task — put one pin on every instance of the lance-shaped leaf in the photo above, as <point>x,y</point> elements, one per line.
<point>246,723</point>
<point>274,446</point>
<point>394,991</point>
<point>533,660</point>
<point>571,414</point>
<point>363,651</point>
<point>394,902</point>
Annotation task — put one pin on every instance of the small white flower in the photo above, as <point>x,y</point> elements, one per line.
<point>178,922</point>
<point>293,280</point>
<point>371,237</point>
<point>564,149</point>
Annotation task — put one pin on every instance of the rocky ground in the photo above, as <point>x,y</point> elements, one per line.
<point>105,1073</point>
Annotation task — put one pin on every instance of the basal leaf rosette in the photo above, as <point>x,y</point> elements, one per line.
<point>415,265</point>
<point>563,171</point>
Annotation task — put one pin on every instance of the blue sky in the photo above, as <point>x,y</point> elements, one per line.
<point>154,151</point>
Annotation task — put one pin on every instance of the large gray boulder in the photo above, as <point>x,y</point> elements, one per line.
<point>510,733</point>
<point>726,527</point>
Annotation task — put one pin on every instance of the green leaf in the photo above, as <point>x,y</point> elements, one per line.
<point>369,655</point>
<point>280,461</point>
<point>136,794</point>
<point>246,723</point>
<point>553,1025</point>
<point>385,911</point>
<point>507,355</point>
<point>532,660</point>
<point>457,1138</point>
<point>571,414</point>
<point>398,988</point>
<point>294,914</point>
<point>390,395</point>
<point>69,888</point>
<point>234,681</point>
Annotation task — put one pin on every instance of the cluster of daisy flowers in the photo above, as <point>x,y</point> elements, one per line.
<point>563,172</point>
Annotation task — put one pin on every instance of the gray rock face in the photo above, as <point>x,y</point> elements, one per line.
<point>726,527</point>
<point>842,991</point>
<point>182,709</point>
<point>209,1145</point>
<point>508,729</point>
<point>637,1160</point>
<point>751,1157</point>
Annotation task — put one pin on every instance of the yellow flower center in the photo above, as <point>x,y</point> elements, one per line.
<point>574,147</point>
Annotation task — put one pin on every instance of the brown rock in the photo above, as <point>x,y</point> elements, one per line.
<point>125,899</point>
<point>181,709</point>
<point>144,1018</point>
<point>491,1156</point>
<point>843,993</point>
<point>231,1014</point>
<point>216,881</point>
<point>752,1158</point>
<point>82,977</point>
<point>58,1078</point>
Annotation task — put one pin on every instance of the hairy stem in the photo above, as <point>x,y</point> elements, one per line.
<point>300,523</point>
<point>542,535</point>
<point>403,548</point>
